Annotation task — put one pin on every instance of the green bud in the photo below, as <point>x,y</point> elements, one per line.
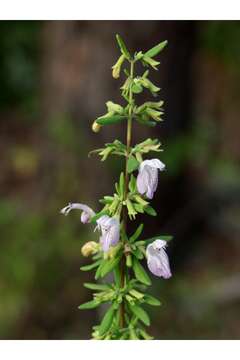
<point>116,69</point>
<point>131,211</point>
<point>129,260</point>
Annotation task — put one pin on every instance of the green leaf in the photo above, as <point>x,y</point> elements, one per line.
<point>145,335</point>
<point>98,215</point>
<point>150,104</point>
<point>137,252</point>
<point>89,305</point>
<point>132,183</point>
<point>100,287</point>
<point>108,120</point>
<point>117,276</point>
<point>123,47</point>
<point>137,294</point>
<point>156,49</point>
<point>150,211</point>
<point>139,208</point>
<point>109,265</point>
<point>140,273</point>
<point>133,335</point>
<point>121,183</point>
<point>131,211</point>
<point>145,121</point>
<point>149,85</point>
<point>99,269</point>
<point>132,164</point>
<point>151,300</point>
<point>137,88</point>
<point>137,233</point>
<point>146,146</point>
<point>140,313</point>
<point>153,63</point>
<point>106,321</point>
<point>90,266</point>
<point>113,107</point>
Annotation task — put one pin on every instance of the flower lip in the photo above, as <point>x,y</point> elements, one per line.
<point>87,212</point>
<point>147,179</point>
<point>110,228</point>
<point>159,244</point>
<point>153,163</point>
<point>157,259</point>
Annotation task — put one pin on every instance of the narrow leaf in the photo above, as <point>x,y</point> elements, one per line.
<point>90,266</point>
<point>151,300</point>
<point>140,313</point>
<point>99,269</point>
<point>150,211</point>
<point>137,233</point>
<point>123,47</point>
<point>117,276</point>
<point>89,305</point>
<point>106,321</point>
<point>156,49</point>
<point>140,273</point>
<point>100,287</point>
<point>132,164</point>
<point>108,120</point>
<point>109,265</point>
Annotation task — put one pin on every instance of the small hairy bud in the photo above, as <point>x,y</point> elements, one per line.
<point>96,127</point>
<point>89,248</point>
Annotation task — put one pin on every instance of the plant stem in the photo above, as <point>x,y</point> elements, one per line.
<point>125,213</point>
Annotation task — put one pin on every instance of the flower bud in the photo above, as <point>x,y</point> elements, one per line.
<point>89,248</point>
<point>96,127</point>
<point>117,67</point>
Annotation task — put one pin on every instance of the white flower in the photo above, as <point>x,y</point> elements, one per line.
<point>147,179</point>
<point>110,228</point>
<point>87,212</point>
<point>157,259</point>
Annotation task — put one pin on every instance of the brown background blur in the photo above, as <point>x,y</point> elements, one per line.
<point>55,79</point>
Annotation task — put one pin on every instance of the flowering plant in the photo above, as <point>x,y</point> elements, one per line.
<point>118,251</point>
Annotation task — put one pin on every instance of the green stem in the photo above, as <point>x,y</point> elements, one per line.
<point>125,213</point>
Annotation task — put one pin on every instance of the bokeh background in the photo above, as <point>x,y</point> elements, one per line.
<point>55,78</point>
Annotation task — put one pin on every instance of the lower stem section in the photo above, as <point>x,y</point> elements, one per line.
<point>122,278</point>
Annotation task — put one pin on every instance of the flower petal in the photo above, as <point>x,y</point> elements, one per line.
<point>110,228</point>
<point>86,214</point>
<point>157,259</point>
<point>142,181</point>
<point>154,163</point>
<point>147,179</point>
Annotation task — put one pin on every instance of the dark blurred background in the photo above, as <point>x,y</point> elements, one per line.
<point>55,78</point>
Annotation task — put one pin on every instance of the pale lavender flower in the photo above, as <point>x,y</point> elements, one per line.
<point>157,259</point>
<point>110,228</point>
<point>87,212</point>
<point>147,179</point>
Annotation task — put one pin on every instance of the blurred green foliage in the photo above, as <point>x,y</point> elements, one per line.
<point>221,38</point>
<point>20,64</point>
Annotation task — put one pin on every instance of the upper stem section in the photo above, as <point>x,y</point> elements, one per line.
<point>129,129</point>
